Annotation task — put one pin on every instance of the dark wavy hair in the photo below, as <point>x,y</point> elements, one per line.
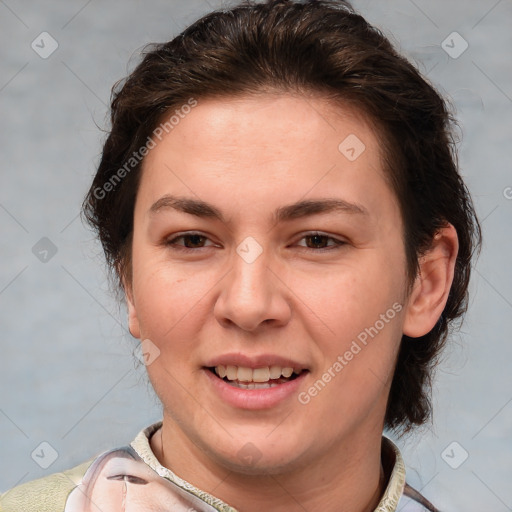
<point>317,47</point>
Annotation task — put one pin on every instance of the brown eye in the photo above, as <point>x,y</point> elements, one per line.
<point>193,241</point>
<point>189,241</point>
<point>320,241</point>
<point>317,241</point>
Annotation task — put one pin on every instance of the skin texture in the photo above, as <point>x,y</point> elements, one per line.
<point>247,157</point>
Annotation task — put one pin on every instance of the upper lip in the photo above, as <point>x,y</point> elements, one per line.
<point>255,361</point>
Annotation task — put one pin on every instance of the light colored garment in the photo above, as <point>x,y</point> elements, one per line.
<point>131,478</point>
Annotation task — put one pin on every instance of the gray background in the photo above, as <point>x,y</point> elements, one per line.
<point>67,371</point>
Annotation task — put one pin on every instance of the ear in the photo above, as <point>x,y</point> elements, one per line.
<point>133,320</point>
<point>432,285</point>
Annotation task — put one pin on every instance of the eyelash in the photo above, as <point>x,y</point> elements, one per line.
<point>337,243</point>
<point>131,479</point>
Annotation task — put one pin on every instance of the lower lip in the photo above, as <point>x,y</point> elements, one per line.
<point>253,399</point>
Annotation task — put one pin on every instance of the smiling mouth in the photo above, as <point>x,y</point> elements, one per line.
<point>257,378</point>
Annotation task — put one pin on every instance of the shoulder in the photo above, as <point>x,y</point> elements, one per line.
<point>413,501</point>
<point>55,493</point>
<point>398,495</point>
<point>46,494</point>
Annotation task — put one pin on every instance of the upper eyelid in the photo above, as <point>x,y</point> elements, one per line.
<point>186,233</point>
<point>129,478</point>
<point>321,233</point>
<point>303,235</point>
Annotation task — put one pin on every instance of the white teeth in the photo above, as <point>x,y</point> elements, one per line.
<point>257,375</point>
<point>221,371</point>
<point>287,372</point>
<point>275,372</point>
<point>231,372</point>
<point>244,374</point>
<point>253,385</point>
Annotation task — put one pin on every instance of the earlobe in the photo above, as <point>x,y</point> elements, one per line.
<point>432,285</point>
<point>133,321</point>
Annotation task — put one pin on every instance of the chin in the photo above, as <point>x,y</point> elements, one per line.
<point>264,466</point>
<point>260,456</point>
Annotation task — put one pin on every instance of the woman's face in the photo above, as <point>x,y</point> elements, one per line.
<point>266,238</point>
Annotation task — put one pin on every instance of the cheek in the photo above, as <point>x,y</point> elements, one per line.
<point>352,298</point>
<point>362,306</point>
<point>167,299</point>
<point>172,308</point>
<point>357,363</point>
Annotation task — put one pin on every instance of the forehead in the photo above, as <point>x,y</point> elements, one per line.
<point>279,122</point>
<point>257,149</point>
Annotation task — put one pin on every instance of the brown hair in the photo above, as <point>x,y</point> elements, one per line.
<point>320,47</point>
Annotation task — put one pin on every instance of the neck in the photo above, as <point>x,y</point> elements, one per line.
<point>347,478</point>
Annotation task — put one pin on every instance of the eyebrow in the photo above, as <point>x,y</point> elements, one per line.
<point>300,209</point>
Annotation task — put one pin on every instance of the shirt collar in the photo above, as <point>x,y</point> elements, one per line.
<point>391,458</point>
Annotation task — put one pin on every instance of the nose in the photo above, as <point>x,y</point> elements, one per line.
<point>252,295</point>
